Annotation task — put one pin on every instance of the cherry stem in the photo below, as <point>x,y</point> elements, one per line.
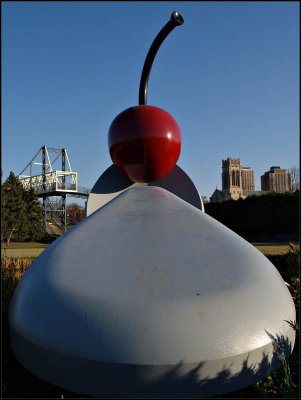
<point>176,19</point>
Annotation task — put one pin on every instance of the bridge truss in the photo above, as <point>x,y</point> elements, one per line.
<point>50,175</point>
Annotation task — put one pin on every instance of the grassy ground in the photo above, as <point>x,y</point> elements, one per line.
<point>23,249</point>
<point>34,249</point>
<point>27,245</point>
<point>272,248</point>
<point>23,253</point>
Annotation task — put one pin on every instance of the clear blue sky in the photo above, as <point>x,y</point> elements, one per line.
<point>229,76</point>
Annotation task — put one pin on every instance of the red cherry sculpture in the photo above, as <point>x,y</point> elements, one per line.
<point>145,141</point>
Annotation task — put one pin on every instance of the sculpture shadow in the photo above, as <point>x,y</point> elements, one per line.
<point>120,381</point>
<point>175,384</point>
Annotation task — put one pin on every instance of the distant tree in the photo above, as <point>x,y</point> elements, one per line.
<point>272,213</point>
<point>295,178</point>
<point>21,212</point>
<point>75,213</point>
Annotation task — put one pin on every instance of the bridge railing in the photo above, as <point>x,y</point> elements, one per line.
<point>55,181</point>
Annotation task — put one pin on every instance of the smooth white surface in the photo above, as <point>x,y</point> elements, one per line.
<point>150,279</point>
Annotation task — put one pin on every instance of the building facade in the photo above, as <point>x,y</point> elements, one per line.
<point>231,178</point>
<point>237,181</point>
<point>247,179</point>
<point>276,180</point>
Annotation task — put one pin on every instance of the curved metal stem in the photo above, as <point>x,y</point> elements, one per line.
<point>175,20</point>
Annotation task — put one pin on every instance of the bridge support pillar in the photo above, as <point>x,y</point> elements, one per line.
<point>54,214</point>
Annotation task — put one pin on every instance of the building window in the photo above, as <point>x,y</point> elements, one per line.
<point>233,178</point>
<point>237,178</point>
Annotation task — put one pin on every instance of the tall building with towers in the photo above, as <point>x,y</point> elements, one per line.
<point>237,181</point>
<point>231,177</point>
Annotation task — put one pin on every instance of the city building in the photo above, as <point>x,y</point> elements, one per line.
<point>247,179</point>
<point>237,181</point>
<point>276,180</point>
<point>231,178</point>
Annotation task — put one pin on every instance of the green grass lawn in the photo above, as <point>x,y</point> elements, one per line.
<point>34,249</point>
<point>272,247</point>
<point>24,249</point>
<point>22,253</point>
<point>27,245</point>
